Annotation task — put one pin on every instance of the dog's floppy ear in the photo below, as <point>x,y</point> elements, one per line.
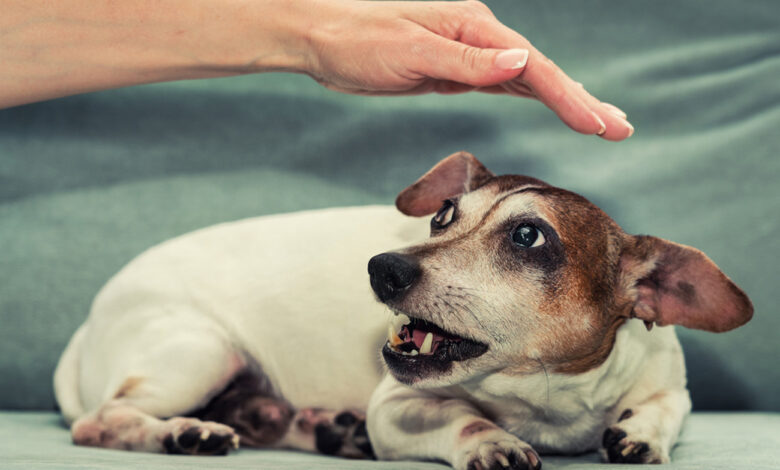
<point>457,174</point>
<point>668,283</point>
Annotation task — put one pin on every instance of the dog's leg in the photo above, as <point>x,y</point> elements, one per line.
<point>262,419</point>
<point>405,423</point>
<point>329,432</point>
<point>118,425</point>
<point>249,406</point>
<point>163,380</point>
<point>647,431</point>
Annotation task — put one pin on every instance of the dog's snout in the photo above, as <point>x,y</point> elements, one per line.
<point>392,274</point>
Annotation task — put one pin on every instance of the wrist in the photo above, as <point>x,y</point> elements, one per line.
<point>250,36</point>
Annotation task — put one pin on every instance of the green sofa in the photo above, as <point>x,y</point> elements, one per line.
<point>87,182</point>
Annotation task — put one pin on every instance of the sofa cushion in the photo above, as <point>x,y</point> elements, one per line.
<point>709,441</point>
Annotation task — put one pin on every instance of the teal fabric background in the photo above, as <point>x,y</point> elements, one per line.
<point>709,441</point>
<point>88,182</point>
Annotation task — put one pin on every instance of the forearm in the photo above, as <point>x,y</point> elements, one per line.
<point>63,47</point>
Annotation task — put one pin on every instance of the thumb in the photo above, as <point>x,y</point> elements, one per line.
<point>475,66</point>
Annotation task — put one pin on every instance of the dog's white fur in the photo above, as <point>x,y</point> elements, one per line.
<point>184,316</point>
<point>269,325</point>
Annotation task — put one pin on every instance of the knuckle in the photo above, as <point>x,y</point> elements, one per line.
<point>478,8</point>
<point>471,57</point>
<point>472,10</point>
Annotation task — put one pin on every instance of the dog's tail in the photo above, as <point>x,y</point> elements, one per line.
<point>66,379</point>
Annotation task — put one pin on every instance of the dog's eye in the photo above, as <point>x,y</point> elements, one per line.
<point>444,216</point>
<point>527,236</point>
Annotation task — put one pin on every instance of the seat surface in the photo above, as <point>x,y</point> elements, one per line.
<point>37,440</point>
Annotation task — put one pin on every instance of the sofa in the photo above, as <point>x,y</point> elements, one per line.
<point>88,182</point>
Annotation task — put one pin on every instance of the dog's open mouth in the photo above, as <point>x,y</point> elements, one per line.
<point>416,348</point>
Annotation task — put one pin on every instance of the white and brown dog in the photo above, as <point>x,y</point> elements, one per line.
<point>510,332</point>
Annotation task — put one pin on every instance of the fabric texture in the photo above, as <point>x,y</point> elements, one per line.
<point>34,440</point>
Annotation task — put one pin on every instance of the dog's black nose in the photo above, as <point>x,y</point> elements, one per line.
<point>392,274</point>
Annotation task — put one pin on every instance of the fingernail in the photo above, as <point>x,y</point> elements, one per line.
<point>615,110</point>
<point>630,129</point>
<point>603,127</point>
<point>512,59</point>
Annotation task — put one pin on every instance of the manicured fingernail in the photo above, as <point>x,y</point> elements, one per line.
<point>603,127</point>
<point>630,129</point>
<point>615,110</point>
<point>512,59</point>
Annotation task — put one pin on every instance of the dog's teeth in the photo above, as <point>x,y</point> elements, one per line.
<point>205,434</point>
<point>398,321</point>
<point>427,343</point>
<point>235,440</point>
<point>392,336</point>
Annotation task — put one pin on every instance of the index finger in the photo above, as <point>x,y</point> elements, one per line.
<point>572,103</point>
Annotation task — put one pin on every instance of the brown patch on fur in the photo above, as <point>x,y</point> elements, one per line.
<point>457,174</point>
<point>668,283</point>
<point>585,286</point>
<point>248,406</point>
<point>128,386</point>
<point>475,428</point>
<point>504,183</point>
<point>596,357</point>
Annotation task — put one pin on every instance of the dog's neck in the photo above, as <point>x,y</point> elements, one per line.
<point>561,397</point>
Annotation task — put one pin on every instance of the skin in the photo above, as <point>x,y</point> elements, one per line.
<point>54,49</point>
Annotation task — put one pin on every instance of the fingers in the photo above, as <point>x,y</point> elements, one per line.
<point>569,100</point>
<point>551,87</point>
<point>618,127</point>
<point>513,88</point>
<point>454,61</point>
<point>572,103</point>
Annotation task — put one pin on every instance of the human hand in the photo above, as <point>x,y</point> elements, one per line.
<point>397,48</point>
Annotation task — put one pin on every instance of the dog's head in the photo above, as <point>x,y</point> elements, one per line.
<point>519,275</point>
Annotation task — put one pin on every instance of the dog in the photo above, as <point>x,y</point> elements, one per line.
<point>522,324</point>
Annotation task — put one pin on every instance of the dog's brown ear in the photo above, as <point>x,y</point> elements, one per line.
<point>668,283</point>
<point>459,173</point>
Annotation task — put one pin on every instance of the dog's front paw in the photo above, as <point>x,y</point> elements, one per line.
<point>195,437</point>
<point>332,433</point>
<point>497,450</point>
<point>622,447</point>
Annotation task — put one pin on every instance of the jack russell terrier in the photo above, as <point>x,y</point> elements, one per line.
<point>511,332</point>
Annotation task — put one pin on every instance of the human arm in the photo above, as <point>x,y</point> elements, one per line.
<point>52,49</point>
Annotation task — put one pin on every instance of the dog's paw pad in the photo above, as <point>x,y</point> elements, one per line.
<point>619,448</point>
<point>194,437</point>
